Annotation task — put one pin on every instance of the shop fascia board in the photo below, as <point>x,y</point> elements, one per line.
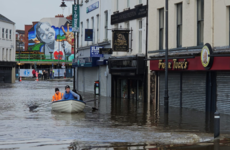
<point>98,44</point>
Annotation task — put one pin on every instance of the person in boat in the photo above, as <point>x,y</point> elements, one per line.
<point>70,95</point>
<point>57,96</point>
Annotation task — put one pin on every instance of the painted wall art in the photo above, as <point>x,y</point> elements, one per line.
<point>53,41</point>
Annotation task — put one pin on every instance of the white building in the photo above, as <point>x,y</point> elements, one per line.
<point>127,66</point>
<point>7,50</point>
<point>94,14</point>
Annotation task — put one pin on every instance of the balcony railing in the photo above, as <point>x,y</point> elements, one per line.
<point>40,57</point>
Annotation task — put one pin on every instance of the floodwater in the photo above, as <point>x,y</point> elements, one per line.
<point>118,124</point>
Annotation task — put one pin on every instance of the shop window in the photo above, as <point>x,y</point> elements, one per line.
<point>124,89</point>
<point>179,25</point>
<point>161,28</point>
<point>200,22</point>
<point>3,54</point>
<point>106,24</point>
<point>140,36</point>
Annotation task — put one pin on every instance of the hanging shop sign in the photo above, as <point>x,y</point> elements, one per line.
<point>206,60</point>
<point>105,51</point>
<point>175,65</point>
<point>75,18</point>
<point>139,11</point>
<point>88,34</point>
<point>120,40</point>
<point>92,7</point>
<point>94,51</point>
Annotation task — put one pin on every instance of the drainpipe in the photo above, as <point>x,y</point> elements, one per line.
<point>146,53</point>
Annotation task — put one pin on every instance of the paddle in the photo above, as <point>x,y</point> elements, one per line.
<point>93,108</point>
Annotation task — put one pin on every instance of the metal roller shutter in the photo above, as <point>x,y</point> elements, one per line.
<point>173,88</point>
<point>194,90</point>
<point>223,92</point>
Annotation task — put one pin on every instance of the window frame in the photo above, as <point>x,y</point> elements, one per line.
<point>140,37</point>
<point>10,34</point>
<point>7,37</point>
<point>161,29</point>
<point>106,24</point>
<point>98,28</point>
<point>3,33</point>
<point>179,26</point>
<point>199,23</point>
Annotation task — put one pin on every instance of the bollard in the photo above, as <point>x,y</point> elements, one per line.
<point>20,79</point>
<point>216,125</point>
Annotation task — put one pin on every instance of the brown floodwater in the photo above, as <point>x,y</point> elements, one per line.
<point>118,124</point>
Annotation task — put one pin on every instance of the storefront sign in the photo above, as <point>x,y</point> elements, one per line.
<point>94,51</point>
<point>75,18</point>
<point>137,12</point>
<point>86,62</point>
<point>206,60</point>
<point>92,7</point>
<point>88,34</point>
<point>175,65</point>
<point>120,40</point>
<point>105,51</point>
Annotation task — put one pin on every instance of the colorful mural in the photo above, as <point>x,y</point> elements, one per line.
<point>51,40</point>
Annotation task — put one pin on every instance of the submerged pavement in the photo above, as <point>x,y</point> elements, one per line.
<point>121,122</point>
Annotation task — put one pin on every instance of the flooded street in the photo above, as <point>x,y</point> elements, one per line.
<point>116,121</point>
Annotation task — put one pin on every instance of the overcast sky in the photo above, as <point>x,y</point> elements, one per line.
<point>24,12</point>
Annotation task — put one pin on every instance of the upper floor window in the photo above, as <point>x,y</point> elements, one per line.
<point>106,24</point>
<point>117,6</point>
<point>161,28</point>
<point>179,25</point>
<point>140,36</point>
<point>140,1</point>
<point>81,33</point>
<point>98,28</point>
<point>6,33</point>
<point>93,29</point>
<point>128,3</point>
<point>3,33</point>
<point>10,34</point>
<point>200,22</point>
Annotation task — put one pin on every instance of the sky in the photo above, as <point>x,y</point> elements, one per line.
<point>24,12</point>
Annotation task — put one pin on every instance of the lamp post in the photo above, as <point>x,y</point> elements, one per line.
<point>166,97</point>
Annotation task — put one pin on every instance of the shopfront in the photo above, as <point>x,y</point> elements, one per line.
<point>128,77</point>
<point>195,82</point>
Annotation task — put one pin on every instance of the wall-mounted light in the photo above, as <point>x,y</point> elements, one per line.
<point>63,5</point>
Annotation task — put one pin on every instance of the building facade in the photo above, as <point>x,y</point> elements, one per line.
<point>90,65</point>
<point>127,63</point>
<point>7,50</point>
<point>199,74</point>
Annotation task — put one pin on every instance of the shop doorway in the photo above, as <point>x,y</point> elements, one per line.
<point>128,88</point>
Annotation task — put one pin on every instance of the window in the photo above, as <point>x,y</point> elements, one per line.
<point>6,58</point>
<point>6,33</point>
<point>93,30</point>
<point>10,34</point>
<point>98,33</point>
<point>117,5</point>
<point>81,34</point>
<point>3,33</point>
<point>3,54</point>
<point>161,28</point>
<point>179,25</point>
<point>87,28</point>
<point>127,25</point>
<point>128,3</point>
<point>140,36</point>
<point>10,55</point>
<point>140,1</point>
<point>200,22</point>
<point>106,25</point>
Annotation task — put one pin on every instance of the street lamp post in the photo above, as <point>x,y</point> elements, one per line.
<point>166,98</point>
<point>19,60</point>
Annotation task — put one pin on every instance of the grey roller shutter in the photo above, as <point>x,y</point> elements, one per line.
<point>223,92</point>
<point>194,90</point>
<point>173,88</point>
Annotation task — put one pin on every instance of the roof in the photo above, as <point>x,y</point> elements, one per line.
<point>3,18</point>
